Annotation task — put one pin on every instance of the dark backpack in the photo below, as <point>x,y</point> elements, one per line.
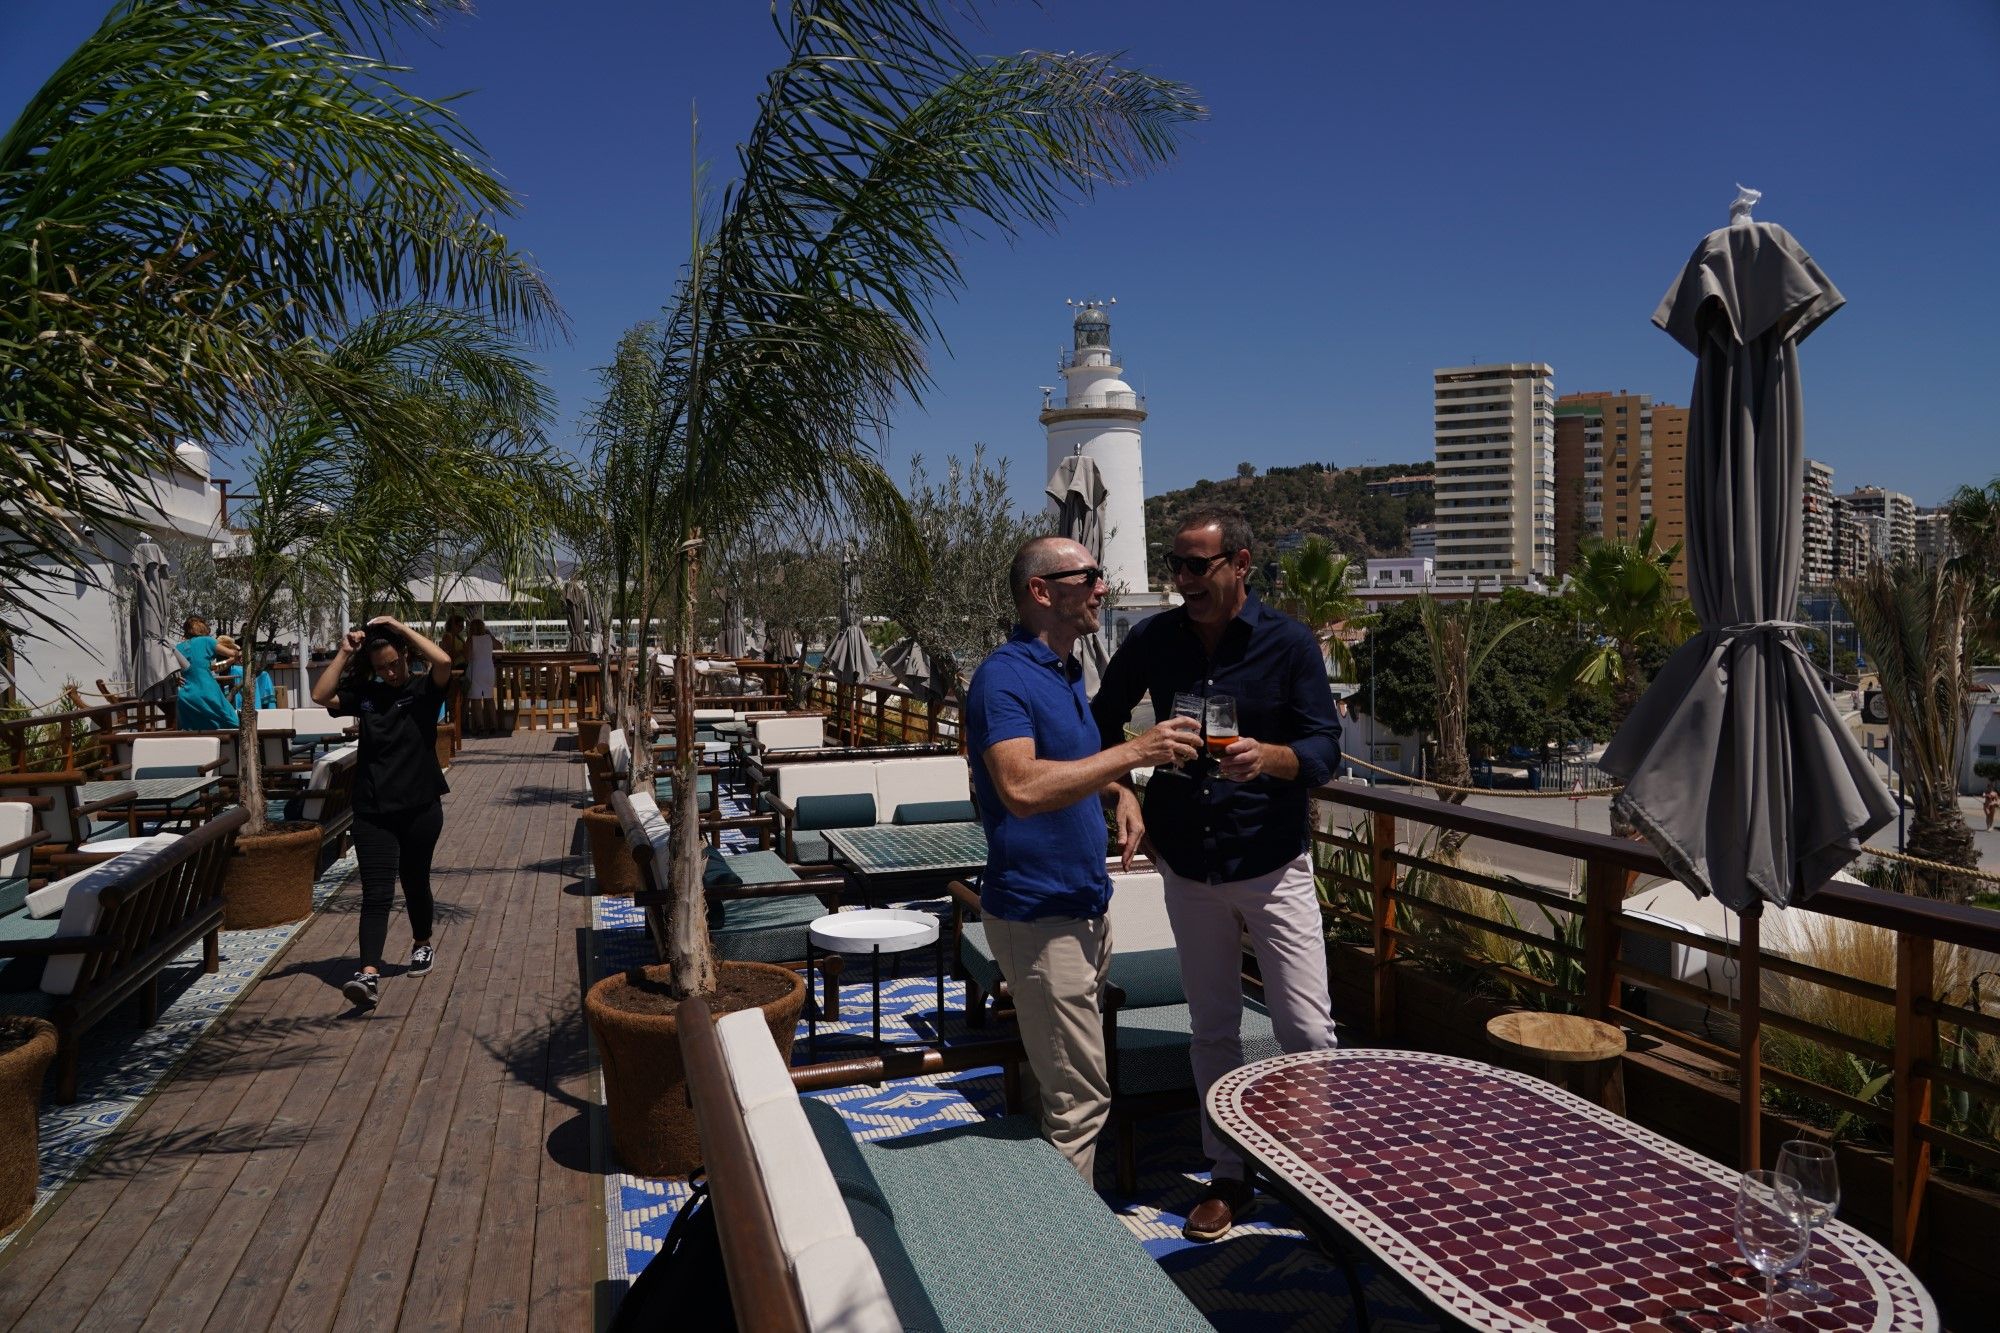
<point>684,1286</point>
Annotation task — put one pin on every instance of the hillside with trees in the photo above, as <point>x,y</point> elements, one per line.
<point>1310,500</point>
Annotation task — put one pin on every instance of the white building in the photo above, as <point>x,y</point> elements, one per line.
<point>1424,541</point>
<point>1817,563</point>
<point>1897,530</point>
<point>89,593</point>
<point>1099,417</point>
<point>1495,432</point>
<point>1386,582</point>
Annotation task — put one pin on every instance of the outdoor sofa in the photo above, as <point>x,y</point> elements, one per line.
<point>810,799</point>
<point>1148,1034</point>
<point>980,1226</point>
<point>83,945</point>
<point>78,832</point>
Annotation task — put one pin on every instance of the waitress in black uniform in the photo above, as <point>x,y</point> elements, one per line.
<point>393,679</point>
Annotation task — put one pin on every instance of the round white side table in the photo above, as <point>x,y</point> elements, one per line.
<point>873,931</point>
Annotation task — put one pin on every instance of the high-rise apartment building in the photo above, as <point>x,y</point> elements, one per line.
<point>1899,515</point>
<point>1933,536</point>
<point>1816,565</point>
<point>1854,538</point>
<point>1621,459</point>
<point>1496,490</point>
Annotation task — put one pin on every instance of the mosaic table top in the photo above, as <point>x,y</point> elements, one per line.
<point>146,791</point>
<point>1515,1205</point>
<point>896,849</point>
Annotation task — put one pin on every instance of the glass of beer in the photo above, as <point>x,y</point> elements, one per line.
<point>1186,705</point>
<point>1221,729</point>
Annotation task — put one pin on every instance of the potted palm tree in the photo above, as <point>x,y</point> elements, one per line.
<point>26,1047</point>
<point>327,496</point>
<point>801,321</point>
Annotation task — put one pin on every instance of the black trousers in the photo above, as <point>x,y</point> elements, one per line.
<point>390,845</point>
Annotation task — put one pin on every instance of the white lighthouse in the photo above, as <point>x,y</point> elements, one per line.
<point>1100,417</point>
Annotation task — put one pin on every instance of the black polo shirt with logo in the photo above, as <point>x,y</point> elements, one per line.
<point>398,769</point>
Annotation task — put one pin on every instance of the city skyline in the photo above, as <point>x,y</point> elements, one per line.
<point>1378,194</point>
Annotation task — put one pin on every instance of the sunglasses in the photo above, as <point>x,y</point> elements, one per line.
<point>1196,565</point>
<point>1092,574</point>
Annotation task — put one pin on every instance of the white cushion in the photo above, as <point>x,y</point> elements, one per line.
<point>1139,912</point>
<point>149,752</point>
<point>910,781</point>
<point>644,807</point>
<point>319,722</point>
<point>842,1289</point>
<point>274,719</point>
<point>843,777</point>
<point>323,779</point>
<point>757,1071</point>
<point>48,900</point>
<point>17,821</point>
<point>619,750</point>
<point>80,907</point>
<point>790,733</point>
<point>714,714</point>
<point>804,1196</point>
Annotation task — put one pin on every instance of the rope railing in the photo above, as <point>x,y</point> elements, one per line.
<point>1480,791</point>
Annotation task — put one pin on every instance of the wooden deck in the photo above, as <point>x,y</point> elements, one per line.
<point>427,1165</point>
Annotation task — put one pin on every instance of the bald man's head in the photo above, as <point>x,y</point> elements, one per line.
<point>1042,555</point>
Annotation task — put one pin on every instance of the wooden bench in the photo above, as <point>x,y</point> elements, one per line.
<point>121,924</point>
<point>327,800</point>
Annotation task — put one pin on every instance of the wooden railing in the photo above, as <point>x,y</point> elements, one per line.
<point>75,740</point>
<point>1384,906</point>
<point>865,714</point>
<point>539,691</point>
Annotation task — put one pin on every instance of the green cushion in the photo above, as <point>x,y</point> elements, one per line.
<point>843,1155</point>
<point>1153,1046</point>
<point>763,930</point>
<point>811,849</point>
<point>704,791</point>
<point>849,810</point>
<point>167,771</point>
<point>877,1231</point>
<point>936,812</point>
<point>975,956</point>
<point>13,895</point>
<point>21,926</point>
<point>751,868</point>
<point>958,1194</point>
<point>1148,977</point>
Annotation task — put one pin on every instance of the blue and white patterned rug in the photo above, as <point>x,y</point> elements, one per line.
<point>1266,1275</point>
<point>123,1063</point>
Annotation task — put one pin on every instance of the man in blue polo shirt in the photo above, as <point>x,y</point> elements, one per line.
<point>1230,835</point>
<point>1040,775</point>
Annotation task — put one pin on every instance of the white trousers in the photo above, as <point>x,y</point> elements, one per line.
<point>1280,912</point>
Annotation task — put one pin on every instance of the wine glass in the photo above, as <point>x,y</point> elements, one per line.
<point>1221,727</point>
<point>1772,1230</point>
<point>1813,1166</point>
<point>1187,704</point>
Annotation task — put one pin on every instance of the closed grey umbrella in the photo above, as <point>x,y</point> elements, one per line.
<point>1078,492</point>
<point>784,644</point>
<point>735,635</point>
<point>850,657</point>
<point>576,609</point>
<point>913,670</point>
<point>155,669</point>
<point>1736,766</point>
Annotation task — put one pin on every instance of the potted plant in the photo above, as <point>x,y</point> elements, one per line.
<point>441,411</point>
<point>610,857</point>
<point>795,328</point>
<point>633,1016</point>
<point>26,1047</point>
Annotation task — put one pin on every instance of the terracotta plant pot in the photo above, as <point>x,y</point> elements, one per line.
<point>611,861</point>
<point>21,1068</point>
<point>270,879</point>
<point>447,743</point>
<point>589,731</point>
<point>645,1088</point>
<point>603,781</point>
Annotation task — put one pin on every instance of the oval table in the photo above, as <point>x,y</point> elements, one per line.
<point>1513,1205</point>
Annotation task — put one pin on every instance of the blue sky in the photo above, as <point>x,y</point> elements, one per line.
<point>1380,190</point>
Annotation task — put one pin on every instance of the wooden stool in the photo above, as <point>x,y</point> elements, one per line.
<point>1581,1054</point>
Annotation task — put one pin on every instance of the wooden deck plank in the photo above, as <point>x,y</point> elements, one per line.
<point>390,1168</point>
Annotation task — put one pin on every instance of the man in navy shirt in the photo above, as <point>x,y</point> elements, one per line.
<point>1040,774</point>
<point>1229,835</point>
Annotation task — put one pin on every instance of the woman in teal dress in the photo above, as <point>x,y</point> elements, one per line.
<point>203,706</point>
<point>267,693</point>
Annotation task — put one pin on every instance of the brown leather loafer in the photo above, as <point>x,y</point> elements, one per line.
<point>1225,1201</point>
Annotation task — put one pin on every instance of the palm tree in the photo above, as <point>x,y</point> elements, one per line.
<point>194,204</point>
<point>880,145</point>
<point>330,497</point>
<point>1462,635</point>
<point>1624,595</point>
<point>1913,622</point>
<point>1974,520</point>
<point>1314,585</point>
